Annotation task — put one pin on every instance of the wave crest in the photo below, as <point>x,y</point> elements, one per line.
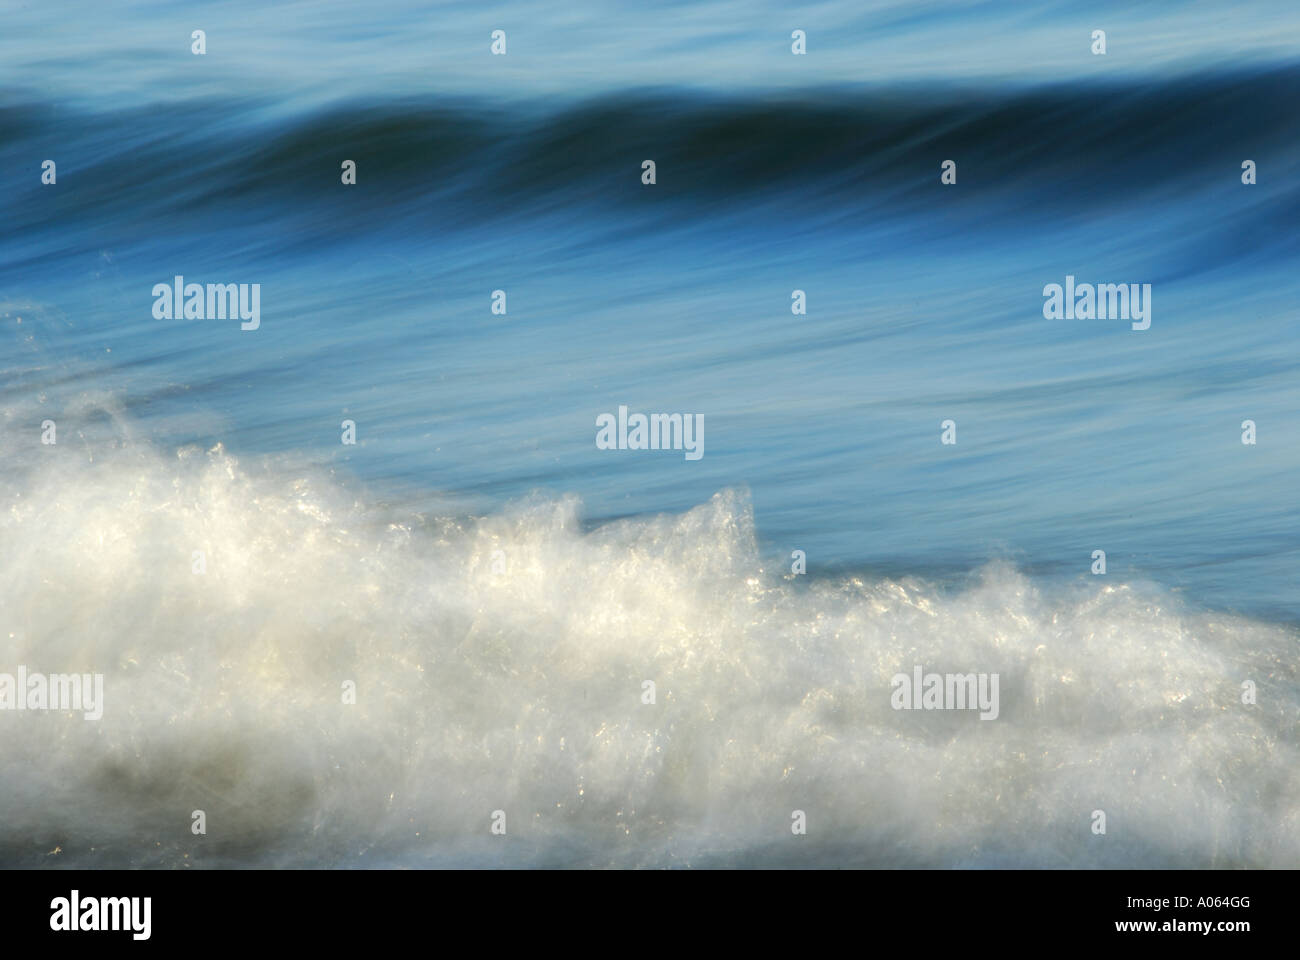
<point>499,664</point>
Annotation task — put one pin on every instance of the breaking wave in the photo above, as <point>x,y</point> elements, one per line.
<point>499,664</point>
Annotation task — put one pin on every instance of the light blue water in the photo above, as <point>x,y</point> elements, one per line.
<point>775,173</point>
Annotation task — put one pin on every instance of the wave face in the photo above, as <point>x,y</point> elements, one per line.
<point>519,689</point>
<point>1038,156</point>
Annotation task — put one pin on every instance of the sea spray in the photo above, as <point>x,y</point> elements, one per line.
<point>517,688</point>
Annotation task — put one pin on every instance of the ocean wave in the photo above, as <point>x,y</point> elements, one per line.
<point>454,163</point>
<point>499,664</point>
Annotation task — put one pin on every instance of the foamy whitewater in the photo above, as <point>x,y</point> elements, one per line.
<point>499,584</point>
<point>521,691</point>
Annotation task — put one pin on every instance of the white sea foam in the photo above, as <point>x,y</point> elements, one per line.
<point>521,691</point>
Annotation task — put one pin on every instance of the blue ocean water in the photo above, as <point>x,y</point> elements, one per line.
<point>476,431</point>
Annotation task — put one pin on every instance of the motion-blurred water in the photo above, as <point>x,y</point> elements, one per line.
<point>476,433</point>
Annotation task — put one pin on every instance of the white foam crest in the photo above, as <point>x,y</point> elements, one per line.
<point>499,665</point>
